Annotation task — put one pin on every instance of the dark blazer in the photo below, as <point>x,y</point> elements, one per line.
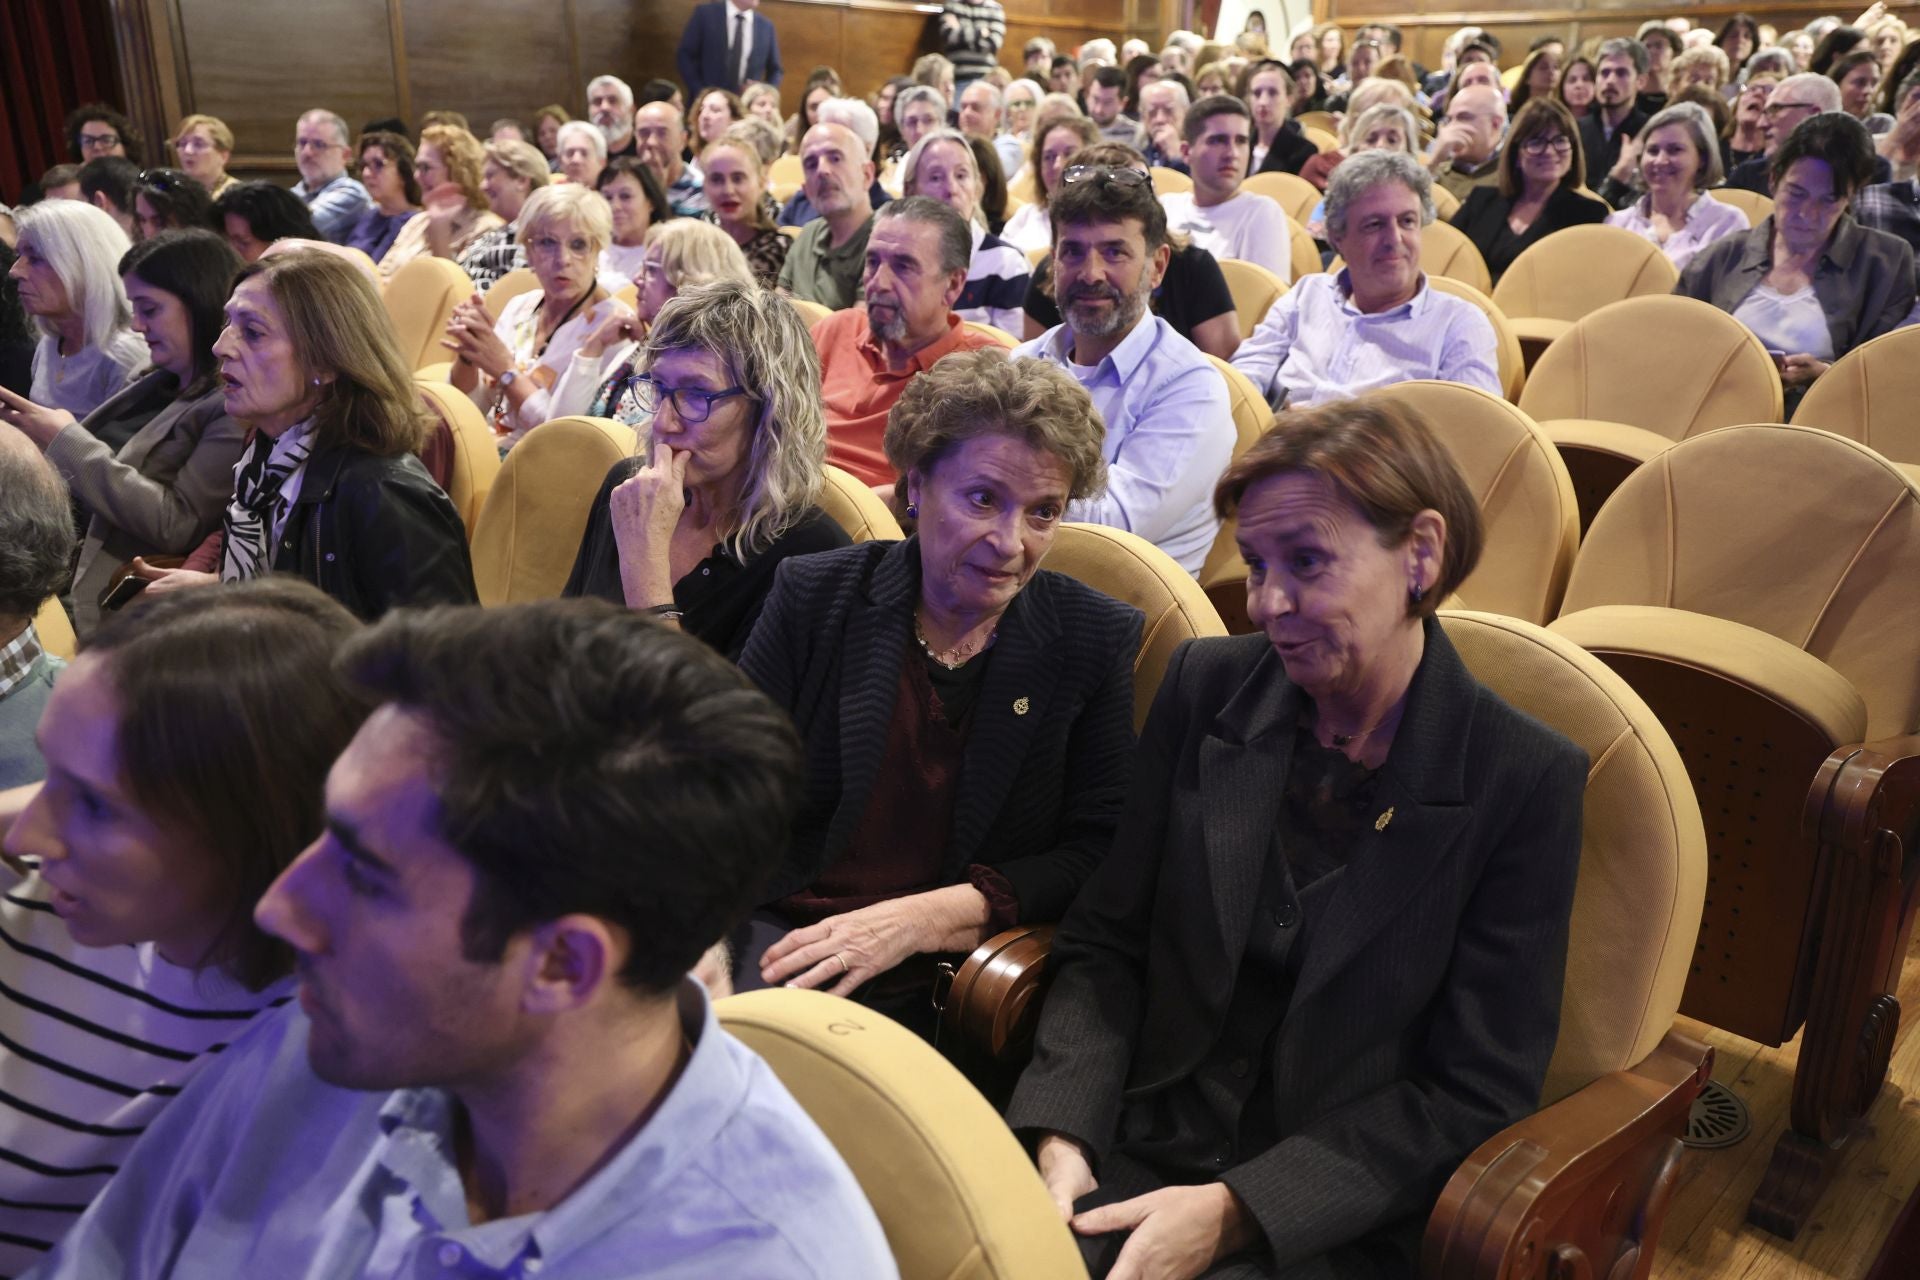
<point>702,56</point>
<point>1291,148</point>
<point>1864,281</point>
<point>1428,1003</point>
<point>1050,751</point>
<point>1482,216</point>
<point>1602,152</point>
<point>1756,175</point>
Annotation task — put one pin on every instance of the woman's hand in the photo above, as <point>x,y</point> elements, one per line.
<point>163,580</point>
<point>850,949</point>
<point>36,422</point>
<point>1176,1232</point>
<point>613,323</point>
<point>646,509</point>
<point>1801,370</point>
<point>471,338</point>
<point>1064,1167</point>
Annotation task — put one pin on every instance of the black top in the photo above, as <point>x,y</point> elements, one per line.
<point>1291,148</point>
<point>1192,292</point>
<point>1483,218</point>
<point>1602,151</point>
<point>721,596</point>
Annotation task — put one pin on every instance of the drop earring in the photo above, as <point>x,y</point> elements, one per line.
<point>913,512</point>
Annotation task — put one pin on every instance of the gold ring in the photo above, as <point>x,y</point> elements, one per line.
<point>844,968</point>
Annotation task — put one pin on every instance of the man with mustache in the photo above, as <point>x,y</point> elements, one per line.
<point>610,107</point>
<point>1169,428</point>
<point>1615,118</point>
<point>916,266</point>
<point>828,256</point>
<point>1219,217</point>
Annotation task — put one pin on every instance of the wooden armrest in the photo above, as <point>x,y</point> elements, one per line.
<point>1863,788</point>
<point>1583,1184</point>
<point>993,1002</point>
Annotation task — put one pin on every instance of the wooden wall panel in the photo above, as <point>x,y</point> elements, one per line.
<point>454,48</point>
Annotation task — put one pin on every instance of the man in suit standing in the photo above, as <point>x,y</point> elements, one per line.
<point>727,44</point>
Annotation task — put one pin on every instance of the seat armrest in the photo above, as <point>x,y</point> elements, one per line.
<point>990,1007</point>
<point>1616,439</point>
<point>1584,1183</point>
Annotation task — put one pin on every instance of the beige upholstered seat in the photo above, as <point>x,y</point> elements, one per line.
<point>1513,364</point>
<point>1037,256</point>
<point>476,457</point>
<point>1872,394</point>
<point>1445,204</point>
<point>508,287</point>
<point>420,298</point>
<point>1531,524</point>
<point>1757,207</point>
<point>1020,186</point>
<point>1254,288</point>
<point>1303,253</point>
<point>784,177</point>
<point>1223,576</point>
<point>1323,140</point>
<point>1168,182</point>
<point>1321,120</point>
<point>528,535</point>
<point>55,630</point>
<point>1576,271</point>
<point>1000,336</point>
<point>953,1189</point>
<point>1133,570</point>
<point>811,313</point>
<point>1635,376</point>
<point>1446,251</point>
<point>1291,191</point>
<point>857,509</point>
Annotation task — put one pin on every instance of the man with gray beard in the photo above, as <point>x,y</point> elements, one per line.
<point>916,266</point>
<point>610,107</point>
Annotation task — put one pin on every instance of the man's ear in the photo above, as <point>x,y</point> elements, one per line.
<point>572,959</point>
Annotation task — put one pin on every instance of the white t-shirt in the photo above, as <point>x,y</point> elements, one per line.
<point>1249,227</point>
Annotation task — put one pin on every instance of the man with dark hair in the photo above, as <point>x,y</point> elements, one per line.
<point>1662,47</point>
<point>1219,217</point>
<point>1038,58</point>
<point>1064,77</point>
<point>917,259</point>
<point>36,538</point>
<point>96,129</point>
<point>106,183</point>
<point>1170,431</point>
<point>62,182</point>
<point>1615,117</point>
<point>1106,95</point>
<point>497,1065</point>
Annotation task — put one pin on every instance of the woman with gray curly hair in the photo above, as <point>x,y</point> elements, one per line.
<point>691,530</point>
<point>968,717</point>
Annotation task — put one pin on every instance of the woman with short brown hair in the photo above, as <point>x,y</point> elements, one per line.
<point>448,161</point>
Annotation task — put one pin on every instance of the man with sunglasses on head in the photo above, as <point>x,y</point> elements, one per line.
<point>1170,429</point>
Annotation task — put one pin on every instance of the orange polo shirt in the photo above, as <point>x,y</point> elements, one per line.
<point>859,390</point>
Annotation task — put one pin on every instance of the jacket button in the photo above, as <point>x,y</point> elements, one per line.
<point>1239,1067</point>
<point>329,557</point>
<point>1286,915</point>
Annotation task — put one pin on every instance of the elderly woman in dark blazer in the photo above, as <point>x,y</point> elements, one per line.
<point>968,718</point>
<point>1324,959</point>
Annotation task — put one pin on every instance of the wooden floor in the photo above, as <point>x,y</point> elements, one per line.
<point>1706,1236</point>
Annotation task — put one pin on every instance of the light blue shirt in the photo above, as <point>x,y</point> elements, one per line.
<point>260,1169</point>
<point>1315,345</point>
<point>336,206</point>
<point>1169,435</point>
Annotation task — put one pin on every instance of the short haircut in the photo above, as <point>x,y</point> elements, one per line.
<point>1623,47</point>
<point>58,176</point>
<point>956,241</point>
<point>83,245</point>
<point>1173,83</point>
<point>230,715</point>
<point>657,91</point>
<point>197,267</point>
<point>1835,138</point>
<point>1362,171</point>
<point>506,122</point>
<point>271,212</point>
<point>619,86</point>
<point>928,68</point>
<point>1772,60</point>
<point>341,133</point>
<point>521,159</point>
<point>973,394</point>
<point>1814,87</point>
<point>112,177</point>
<point>574,205</point>
<point>582,129</point>
<point>631,167</point>
<point>591,762</point>
<point>851,113</point>
<point>1382,457</point>
<point>999,98</point>
<point>463,156</point>
<point>1063,62</point>
<point>1108,78</point>
<point>101,113</point>
<point>217,130</point>
<point>1656,31</point>
<point>176,199</point>
<point>917,93</point>
<point>1541,116</point>
<point>1693,120</point>
<point>400,154</point>
<point>1219,104</point>
<point>1103,198</point>
<point>36,531</point>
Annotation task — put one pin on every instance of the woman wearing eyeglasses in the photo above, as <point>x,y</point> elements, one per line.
<point>726,483</point>
<point>205,145</point>
<point>1541,172</point>
<point>510,367</point>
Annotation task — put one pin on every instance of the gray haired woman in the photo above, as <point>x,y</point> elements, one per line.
<point>1679,161</point>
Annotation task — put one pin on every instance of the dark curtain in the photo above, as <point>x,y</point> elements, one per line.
<point>54,55</point>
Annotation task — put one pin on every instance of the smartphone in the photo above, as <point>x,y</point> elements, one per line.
<point>122,592</point>
<point>1779,357</point>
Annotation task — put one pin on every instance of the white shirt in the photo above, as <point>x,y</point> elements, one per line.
<point>1249,227</point>
<point>1030,228</point>
<point>744,52</point>
<point>619,263</point>
<point>518,326</point>
<point>87,379</point>
<point>1789,322</point>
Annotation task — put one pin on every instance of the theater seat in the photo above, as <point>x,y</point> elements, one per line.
<point>55,630</point>
<point>1169,182</point>
<point>811,313</point>
<point>1870,395</point>
<point>1291,191</point>
<point>476,455</point>
<point>1223,576</point>
<point>1513,364</point>
<point>1321,120</point>
<point>785,176</point>
<point>1573,273</point>
<point>528,535</point>
<point>954,1190</point>
<point>1254,288</point>
<point>1324,140</point>
<point>1000,336</point>
<point>419,299</point>
<point>508,287</point>
<point>857,509</point>
<point>1757,207</point>
<point>1303,253</point>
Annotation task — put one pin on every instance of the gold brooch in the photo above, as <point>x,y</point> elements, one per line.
<point>1380,823</point>
<point>1021,706</point>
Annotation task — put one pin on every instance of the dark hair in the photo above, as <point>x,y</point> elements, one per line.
<point>1382,457</point>
<point>1243,91</point>
<point>1851,59</point>
<point>1539,116</point>
<point>1318,98</point>
<point>58,176</point>
<point>1739,22</point>
<point>993,181</point>
<point>389,124</point>
<point>593,762</point>
<point>227,728</point>
<point>635,168</point>
<point>130,140</point>
<point>956,241</point>
<point>271,212</point>
<point>1395,37</point>
<point>1522,89</point>
<point>1062,60</point>
<point>1137,66</point>
<point>198,267</point>
<point>1102,198</point>
<point>399,153</point>
<point>1896,78</point>
<point>36,531</point>
<point>1476,45</point>
<point>1622,47</point>
<point>655,91</point>
<point>1219,104</point>
<point>1108,77</point>
<point>1836,42</point>
<point>1837,140</point>
<point>177,199</point>
<point>1656,33</point>
<point>112,177</point>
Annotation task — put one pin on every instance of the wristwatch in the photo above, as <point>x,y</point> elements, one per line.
<point>505,380</point>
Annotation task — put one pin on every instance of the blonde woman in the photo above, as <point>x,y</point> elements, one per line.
<point>67,278</point>
<point>204,145</point>
<point>942,165</point>
<point>736,188</point>
<point>512,173</point>
<point>762,101</point>
<point>448,164</point>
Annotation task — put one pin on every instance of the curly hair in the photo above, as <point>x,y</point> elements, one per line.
<point>971,394</point>
<point>399,153</point>
<point>463,156</point>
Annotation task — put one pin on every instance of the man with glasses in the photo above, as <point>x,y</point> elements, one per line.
<point>825,262</point>
<point>1795,99</point>
<point>1170,430</point>
<point>333,196</point>
<point>1466,151</point>
<point>97,130</point>
<point>1615,117</point>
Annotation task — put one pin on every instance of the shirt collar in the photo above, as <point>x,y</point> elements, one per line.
<point>1415,306</point>
<point>1125,358</point>
<point>923,359</point>
<point>17,659</point>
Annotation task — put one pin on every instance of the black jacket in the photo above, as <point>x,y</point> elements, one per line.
<point>1428,1002</point>
<point>1602,152</point>
<point>1291,148</point>
<point>1482,217</point>
<point>1050,751</point>
<point>376,533</point>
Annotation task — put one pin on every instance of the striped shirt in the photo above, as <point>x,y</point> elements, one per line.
<point>971,33</point>
<point>996,287</point>
<point>94,1042</point>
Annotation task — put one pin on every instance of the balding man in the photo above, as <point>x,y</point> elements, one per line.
<point>980,106</point>
<point>661,132</point>
<point>1466,152</point>
<point>827,258</point>
<point>1797,98</point>
<point>321,153</point>
<point>1163,113</point>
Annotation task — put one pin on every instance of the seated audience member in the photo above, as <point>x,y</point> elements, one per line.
<point>920,110</point>
<point>507,129</point>
<point>1021,108</point>
<point>1169,431</point>
<point>1575,88</point>
<point>169,200</point>
<point>62,182</point>
<point>1541,172</point>
<point>512,173</point>
<point>1053,141</point>
<point>610,111</point>
<point>546,132</point>
<point>510,365</point>
<point>1217,215</point>
<point>1063,76</point>
<point>1279,145</point>
<point>1406,1057</point>
<point>766,142</point>
<point>1679,161</point>
<point>682,253</point>
<point>798,211</point>
<point>1810,282</point>
<point>738,204</point>
<point>1106,96</point>
<point>662,133</point>
<point>1366,96</point>
<point>152,466</point>
<point>525,854</point>
<point>1746,135</point>
<point>583,153</point>
<point>1857,72</point>
<point>1796,99</point>
<point>1615,118</point>
<point>1707,67</point>
<point>825,261</point>
<point>106,183</point>
<point>36,528</point>
<point>310,365</point>
<point>729,477</point>
<point>1538,75</point>
<point>1378,322</point>
<point>96,129</point>
<point>253,215</point>
<point>1378,128</point>
<point>941,166</point>
<point>448,163</point>
<point>714,111</point>
<point>636,201</point>
<point>322,150</point>
<point>1895,206</point>
<point>1163,113</point>
<point>951,813</point>
<point>1466,152</point>
<point>204,145</point>
<point>981,106</point>
<point>67,281</point>
<point>763,101</point>
<point>134,958</point>
<point>916,271</point>
<point>387,171</point>
<point>19,338</point>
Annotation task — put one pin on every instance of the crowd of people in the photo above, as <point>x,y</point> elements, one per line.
<point>306,853</point>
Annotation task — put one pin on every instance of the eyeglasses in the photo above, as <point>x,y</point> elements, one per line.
<point>1539,144</point>
<point>1090,172</point>
<point>1773,109</point>
<point>549,247</point>
<point>99,141</point>
<point>690,404</point>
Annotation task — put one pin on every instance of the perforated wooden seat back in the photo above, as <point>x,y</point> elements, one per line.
<point>529,531</point>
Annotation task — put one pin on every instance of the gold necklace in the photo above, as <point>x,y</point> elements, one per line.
<point>966,655</point>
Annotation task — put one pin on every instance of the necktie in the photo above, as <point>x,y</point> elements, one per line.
<point>737,54</point>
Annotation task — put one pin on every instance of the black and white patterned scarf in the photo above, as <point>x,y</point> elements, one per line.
<point>258,510</point>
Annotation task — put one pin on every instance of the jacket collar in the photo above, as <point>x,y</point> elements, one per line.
<point>1756,255</point>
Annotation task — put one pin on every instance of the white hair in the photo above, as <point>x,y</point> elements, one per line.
<point>910,166</point>
<point>1101,48</point>
<point>851,114</point>
<point>1175,86</point>
<point>586,129</point>
<point>1031,86</point>
<point>626,90</point>
<point>339,125</point>
<point>84,246</point>
<point>999,98</point>
<point>1823,92</point>
<point>1134,48</point>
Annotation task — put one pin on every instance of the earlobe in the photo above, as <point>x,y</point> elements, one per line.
<point>571,959</point>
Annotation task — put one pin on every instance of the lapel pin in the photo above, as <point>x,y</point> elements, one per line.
<point>1380,823</point>
<point>1021,706</point>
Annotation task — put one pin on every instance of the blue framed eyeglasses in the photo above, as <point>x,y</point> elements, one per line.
<point>690,404</point>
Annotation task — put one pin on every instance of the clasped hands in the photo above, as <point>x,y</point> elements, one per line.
<point>471,338</point>
<point>1175,1233</point>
